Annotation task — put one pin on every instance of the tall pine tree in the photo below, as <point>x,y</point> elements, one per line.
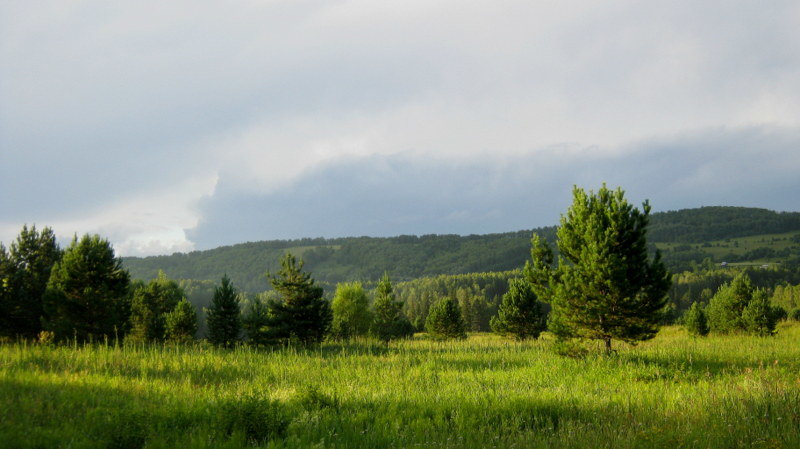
<point>301,314</point>
<point>605,286</point>
<point>87,294</point>
<point>223,316</point>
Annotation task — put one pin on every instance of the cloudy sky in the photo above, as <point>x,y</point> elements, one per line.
<point>181,125</point>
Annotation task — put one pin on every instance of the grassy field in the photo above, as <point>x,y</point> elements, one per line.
<point>718,249</point>
<point>672,392</point>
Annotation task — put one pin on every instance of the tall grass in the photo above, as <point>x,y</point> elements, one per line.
<point>674,391</point>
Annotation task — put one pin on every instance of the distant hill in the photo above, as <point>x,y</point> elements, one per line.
<point>684,235</point>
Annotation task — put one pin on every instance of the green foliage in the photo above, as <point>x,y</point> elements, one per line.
<point>520,314</point>
<point>759,317</point>
<point>351,314</point>
<point>149,308</point>
<point>788,298</point>
<point>256,318</point>
<point>604,287</point>
<point>222,318</point>
<point>302,314</point>
<point>24,272</point>
<point>444,320</point>
<point>389,321</point>
<point>740,307</point>
<point>87,294</point>
<point>181,323</point>
<point>696,320</point>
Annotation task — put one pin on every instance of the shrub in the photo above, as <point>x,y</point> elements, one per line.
<point>258,420</point>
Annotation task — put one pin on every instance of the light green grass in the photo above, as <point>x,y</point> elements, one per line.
<point>674,391</point>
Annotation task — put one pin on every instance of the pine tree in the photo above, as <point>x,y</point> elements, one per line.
<point>150,306</point>
<point>32,257</point>
<point>222,318</point>
<point>520,314</point>
<point>696,320</point>
<point>389,323</point>
<point>181,323</point>
<point>301,314</point>
<point>87,294</point>
<point>604,287</point>
<point>351,314</point>
<point>759,317</point>
<point>256,319</point>
<point>444,320</point>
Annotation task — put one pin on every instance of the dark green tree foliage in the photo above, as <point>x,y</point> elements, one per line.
<point>605,286</point>
<point>181,323</point>
<point>520,315</point>
<point>444,320</point>
<point>149,308</point>
<point>389,323</point>
<point>759,317</point>
<point>29,263</point>
<point>351,314</point>
<point>87,294</point>
<point>301,314</point>
<point>256,319</point>
<point>696,320</point>
<point>222,317</point>
<point>6,293</point>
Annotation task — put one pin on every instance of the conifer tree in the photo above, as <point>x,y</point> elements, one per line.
<point>389,323</point>
<point>32,256</point>
<point>727,305</point>
<point>301,314</point>
<point>520,314</point>
<point>87,294</point>
<point>444,320</point>
<point>759,317</point>
<point>605,286</point>
<point>222,318</point>
<point>149,308</point>
<point>696,320</point>
<point>181,323</point>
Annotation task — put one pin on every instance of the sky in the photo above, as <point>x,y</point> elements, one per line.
<point>185,125</point>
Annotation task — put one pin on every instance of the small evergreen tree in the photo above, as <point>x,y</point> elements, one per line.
<point>389,323</point>
<point>87,294</point>
<point>222,318</point>
<point>444,320</point>
<point>520,314</point>
<point>759,317</point>
<point>351,314</point>
<point>149,308</point>
<point>301,314</point>
<point>181,323</point>
<point>256,319</point>
<point>696,321</point>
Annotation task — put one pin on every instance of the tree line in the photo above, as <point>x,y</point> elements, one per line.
<point>601,281</point>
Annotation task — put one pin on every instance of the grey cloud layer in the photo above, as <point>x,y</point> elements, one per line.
<point>391,195</point>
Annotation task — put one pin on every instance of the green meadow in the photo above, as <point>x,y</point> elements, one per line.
<point>674,391</point>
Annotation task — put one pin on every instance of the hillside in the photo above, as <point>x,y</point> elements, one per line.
<point>732,234</point>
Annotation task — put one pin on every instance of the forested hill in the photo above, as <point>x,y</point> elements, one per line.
<point>410,257</point>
